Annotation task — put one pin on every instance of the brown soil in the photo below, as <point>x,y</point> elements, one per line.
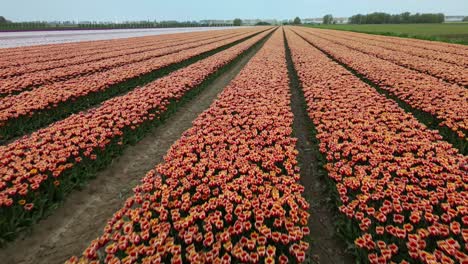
<point>325,246</point>
<point>84,213</point>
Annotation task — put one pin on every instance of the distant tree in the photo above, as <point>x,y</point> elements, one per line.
<point>465,19</point>
<point>262,23</point>
<point>297,21</point>
<point>237,22</point>
<point>405,17</point>
<point>328,19</point>
<point>358,19</point>
<point>3,20</point>
<point>384,18</point>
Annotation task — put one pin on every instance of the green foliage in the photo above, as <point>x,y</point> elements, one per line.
<point>297,21</point>
<point>465,19</point>
<point>328,19</point>
<point>3,20</point>
<point>447,32</point>
<point>262,23</point>
<point>406,17</point>
<point>237,22</point>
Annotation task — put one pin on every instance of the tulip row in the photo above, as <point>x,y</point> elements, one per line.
<point>64,51</point>
<point>400,185</point>
<point>33,109</point>
<point>452,73</point>
<point>38,170</point>
<point>80,56</point>
<point>431,46</point>
<point>55,76</point>
<point>228,190</point>
<point>447,103</point>
<point>22,52</point>
<point>403,47</point>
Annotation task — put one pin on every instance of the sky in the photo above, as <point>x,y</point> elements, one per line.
<point>183,10</point>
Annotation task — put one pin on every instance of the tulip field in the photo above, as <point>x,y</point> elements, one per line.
<point>386,120</point>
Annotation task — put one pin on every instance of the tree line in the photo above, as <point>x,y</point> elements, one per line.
<point>3,20</point>
<point>42,25</point>
<point>403,18</point>
<point>328,19</point>
<point>58,26</point>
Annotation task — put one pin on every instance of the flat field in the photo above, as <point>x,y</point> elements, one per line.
<point>30,38</point>
<point>244,145</point>
<point>447,32</point>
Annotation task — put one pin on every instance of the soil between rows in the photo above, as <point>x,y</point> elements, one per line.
<point>84,213</point>
<point>325,246</point>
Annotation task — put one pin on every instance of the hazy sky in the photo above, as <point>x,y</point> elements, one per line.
<point>118,10</point>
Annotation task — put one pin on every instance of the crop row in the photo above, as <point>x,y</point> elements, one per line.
<point>417,43</point>
<point>448,103</point>
<point>32,109</point>
<point>228,190</point>
<point>65,51</point>
<point>39,169</point>
<point>54,76</point>
<point>136,46</point>
<point>22,52</point>
<point>400,185</point>
<point>452,73</point>
<point>413,50</point>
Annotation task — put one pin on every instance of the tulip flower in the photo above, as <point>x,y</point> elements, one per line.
<point>247,211</point>
<point>47,155</point>
<point>446,101</point>
<point>403,194</point>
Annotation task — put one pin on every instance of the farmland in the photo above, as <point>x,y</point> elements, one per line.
<point>248,145</point>
<point>447,32</point>
<point>32,38</point>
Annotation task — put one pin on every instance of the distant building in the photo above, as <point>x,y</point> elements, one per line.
<point>271,21</point>
<point>312,20</point>
<point>454,18</point>
<point>341,20</point>
<point>308,21</point>
<point>250,22</point>
<point>319,20</point>
<point>245,22</point>
<point>216,22</point>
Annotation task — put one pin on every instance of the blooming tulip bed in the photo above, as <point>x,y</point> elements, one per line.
<point>388,122</point>
<point>83,53</point>
<point>39,169</point>
<point>402,46</point>
<point>431,46</point>
<point>440,101</point>
<point>449,72</point>
<point>13,57</point>
<point>228,190</point>
<point>402,188</point>
<point>54,76</point>
<point>30,110</point>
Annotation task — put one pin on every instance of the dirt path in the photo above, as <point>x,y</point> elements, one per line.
<point>325,246</point>
<point>84,213</point>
